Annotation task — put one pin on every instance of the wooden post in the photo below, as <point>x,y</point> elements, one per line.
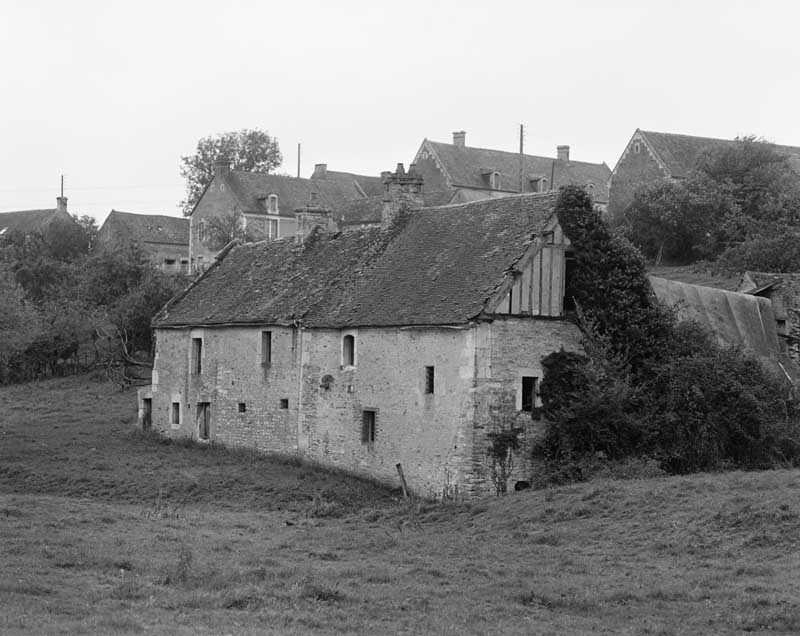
<point>402,480</point>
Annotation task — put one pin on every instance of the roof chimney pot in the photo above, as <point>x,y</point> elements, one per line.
<point>61,204</point>
<point>320,171</point>
<point>460,138</point>
<point>222,166</point>
<point>563,153</point>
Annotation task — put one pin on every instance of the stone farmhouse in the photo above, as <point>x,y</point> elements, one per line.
<point>30,221</point>
<point>165,239</point>
<point>265,204</point>
<point>457,173</point>
<point>404,342</point>
<point>651,156</point>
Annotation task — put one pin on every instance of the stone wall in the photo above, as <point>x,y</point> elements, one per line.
<point>308,401</point>
<point>632,170</point>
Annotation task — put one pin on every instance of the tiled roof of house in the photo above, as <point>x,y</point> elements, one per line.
<point>26,221</point>
<point>146,228</point>
<point>468,166</point>
<point>338,190</point>
<point>680,152</point>
<point>434,266</point>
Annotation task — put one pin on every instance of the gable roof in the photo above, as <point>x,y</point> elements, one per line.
<point>337,190</point>
<point>679,153</point>
<point>467,166</point>
<point>434,266</point>
<point>146,228</point>
<point>26,221</point>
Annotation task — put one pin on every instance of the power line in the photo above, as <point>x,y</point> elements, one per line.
<point>91,188</point>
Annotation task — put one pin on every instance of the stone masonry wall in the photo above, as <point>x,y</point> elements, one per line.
<point>632,170</point>
<point>509,348</point>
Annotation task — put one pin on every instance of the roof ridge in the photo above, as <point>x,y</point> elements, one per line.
<point>516,195</point>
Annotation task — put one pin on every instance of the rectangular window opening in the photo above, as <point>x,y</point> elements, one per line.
<point>284,403</point>
<point>147,414</point>
<point>197,355</point>
<point>266,347</point>
<point>242,407</point>
<point>175,414</point>
<point>368,427</point>
<point>204,420</point>
<point>528,393</point>
<point>569,275</point>
<point>429,380</point>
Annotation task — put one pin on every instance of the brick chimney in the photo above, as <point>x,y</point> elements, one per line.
<point>320,171</point>
<point>61,204</point>
<point>460,138</point>
<point>222,167</point>
<point>402,191</point>
<point>563,153</point>
<point>313,217</point>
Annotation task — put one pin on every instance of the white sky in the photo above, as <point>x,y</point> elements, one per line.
<point>111,94</point>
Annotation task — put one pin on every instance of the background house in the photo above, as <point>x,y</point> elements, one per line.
<point>30,221</point>
<point>265,204</point>
<point>402,342</point>
<point>651,156</point>
<point>164,239</point>
<point>457,173</point>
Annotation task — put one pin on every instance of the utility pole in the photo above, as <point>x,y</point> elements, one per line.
<point>521,156</point>
<point>298,160</point>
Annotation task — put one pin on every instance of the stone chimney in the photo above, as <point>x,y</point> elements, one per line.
<point>402,191</point>
<point>563,153</point>
<point>61,204</point>
<point>313,217</point>
<point>460,138</point>
<point>320,171</point>
<point>222,167</point>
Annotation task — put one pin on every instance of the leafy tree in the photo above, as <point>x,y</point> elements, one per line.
<point>222,229</point>
<point>18,320</point>
<point>248,149</point>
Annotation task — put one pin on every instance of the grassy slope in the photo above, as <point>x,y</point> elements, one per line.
<point>242,544</point>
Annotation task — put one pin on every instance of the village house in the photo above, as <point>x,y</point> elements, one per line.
<point>783,292</point>
<point>457,173</point>
<point>264,204</point>
<point>164,239</point>
<point>404,342</point>
<point>652,156</point>
<point>28,222</point>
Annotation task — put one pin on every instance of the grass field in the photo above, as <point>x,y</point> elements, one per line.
<point>105,531</point>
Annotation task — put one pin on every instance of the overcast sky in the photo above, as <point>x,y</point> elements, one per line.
<point>111,94</point>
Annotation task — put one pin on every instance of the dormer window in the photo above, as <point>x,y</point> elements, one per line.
<point>590,188</point>
<point>272,203</point>
<point>494,181</point>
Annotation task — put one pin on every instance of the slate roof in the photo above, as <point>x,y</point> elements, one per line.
<point>26,221</point>
<point>146,228</point>
<point>337,191</point>
<point>467,167</point>
<point>434,266</point>
<point>680,152</point>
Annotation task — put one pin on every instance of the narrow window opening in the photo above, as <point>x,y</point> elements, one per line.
<point>367,427</point>
<point>147,414</point>
<point>569,275</point>
<point>242,407</point>
<point>203,420</point>
<point>528,393</point>
<point>429,379</point>
<point>349,351</point>
<point>284,403</point>
<point>197,355</point>
<point>266,348</point>
<point>175,414</point>
<point>636,148</point>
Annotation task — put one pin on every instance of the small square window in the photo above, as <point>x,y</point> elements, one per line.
<point>429,379</point>
<point>284,403</point>
<point>242,407</point>
<point>368,427</point>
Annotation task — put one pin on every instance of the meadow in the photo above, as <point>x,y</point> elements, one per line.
<point>106,530</point>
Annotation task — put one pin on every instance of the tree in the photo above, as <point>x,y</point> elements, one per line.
<point>222,229</point>
<point>247,149</point>
<point>18,320</point>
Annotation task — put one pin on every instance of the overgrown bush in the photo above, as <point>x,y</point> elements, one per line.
<point>647,385</point>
